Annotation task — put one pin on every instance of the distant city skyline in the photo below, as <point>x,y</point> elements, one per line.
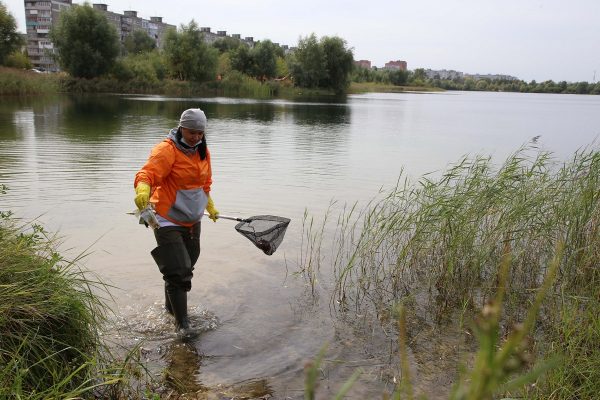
<point>541,40</point>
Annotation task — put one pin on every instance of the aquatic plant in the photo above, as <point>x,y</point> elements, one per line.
<point>51,313</point>
<point>19,82</point>
<point>46,312</point>
<point>441,238</point>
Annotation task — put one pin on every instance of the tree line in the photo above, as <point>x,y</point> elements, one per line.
<point>11,42</point>
<point>419,78</point>
<point>89,47</point>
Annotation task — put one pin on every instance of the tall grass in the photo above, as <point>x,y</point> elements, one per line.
<point>50,315</point>
<point>442,237</point>
<point>18,82</point>
<point>366,87</point>
<point>47,311</point>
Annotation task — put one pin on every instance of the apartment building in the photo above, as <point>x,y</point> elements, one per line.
<point>41,16</point>
<point>211,37</point>
<point>363,64</point>
<point>397,65</point>
<point>128,22</point>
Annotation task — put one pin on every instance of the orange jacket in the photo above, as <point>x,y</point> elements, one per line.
<point>179,179</point>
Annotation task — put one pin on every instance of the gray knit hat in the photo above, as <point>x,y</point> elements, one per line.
<point>193,118</point>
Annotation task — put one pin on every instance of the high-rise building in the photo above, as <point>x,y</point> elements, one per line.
<point>363,64</point>
<point>129,22</point>
<point>397,65</point>
<point>41,16</point>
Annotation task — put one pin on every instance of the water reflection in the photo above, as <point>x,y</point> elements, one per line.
<point>338,114</point>
<point>92,118</point>
<point>182,371</point>
<point>262,112</point>
<point>74,159</point>
<point>246,109</point>
<point>250,389</point>
<point>182,367</point>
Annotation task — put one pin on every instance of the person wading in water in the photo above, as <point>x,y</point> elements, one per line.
<point>176,180</point>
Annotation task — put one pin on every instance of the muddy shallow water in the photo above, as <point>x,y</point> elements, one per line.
<point>70,162</point>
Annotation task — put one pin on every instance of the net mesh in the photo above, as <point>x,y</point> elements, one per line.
<point>265,231</point>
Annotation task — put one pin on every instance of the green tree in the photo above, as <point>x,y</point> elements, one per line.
<point>87,44</point>
<point>398,77</point>
<point>469,84</point>
<point>582,88</point>
<point>224,65</point>
<point>241,60</point>
<point>226,44</point>
<point>139,42</point>
<point>18,59</point>
<point>282,68</point>
<point>323,64</point>
<point>189,57</point>
<point>419,75</point>
<point>264,57</point>
<point>149,67</point>
<point>339,62</point>
<point>482,85</point>
<point>10,40</point>
<point>360,74</point>
<point>308,63</point>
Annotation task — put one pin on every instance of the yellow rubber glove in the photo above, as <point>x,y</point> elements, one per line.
<point>142,195</point>
<point>212,211</point>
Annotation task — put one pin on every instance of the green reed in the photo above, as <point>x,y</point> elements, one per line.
<point>446,233</point>
<point>442,237</point>
<point>18,82</point>
<point>50,319</point>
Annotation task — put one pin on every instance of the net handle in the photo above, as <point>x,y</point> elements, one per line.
<point>219,216</point>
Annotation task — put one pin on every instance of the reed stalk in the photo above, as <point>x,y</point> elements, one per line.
<point>442,236</point>
<point>51,315</point>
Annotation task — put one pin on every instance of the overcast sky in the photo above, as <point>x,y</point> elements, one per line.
<point>529,39</point>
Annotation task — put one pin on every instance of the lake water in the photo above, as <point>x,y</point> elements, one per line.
<point>70,161</point>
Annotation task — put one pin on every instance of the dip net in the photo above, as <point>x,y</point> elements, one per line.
<point>265,231</point>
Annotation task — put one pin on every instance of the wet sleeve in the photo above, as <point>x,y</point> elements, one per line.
<point>158,166</point>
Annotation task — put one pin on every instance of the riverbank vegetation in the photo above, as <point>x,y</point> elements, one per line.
<point>434,247</point>
<point>515,241</point>
<point>381,79</point>
<point>21,82</point>
<point>95,61</point>
<point>49,318</point>
<point>187,57</point>
<point>187,64</point>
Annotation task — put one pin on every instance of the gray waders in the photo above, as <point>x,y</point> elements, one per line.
<point>177,251</point>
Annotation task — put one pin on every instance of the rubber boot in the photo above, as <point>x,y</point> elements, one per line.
<point>178,300</point>
<point>168,307</point>
<point>161,266</point>
<point>174,263</point>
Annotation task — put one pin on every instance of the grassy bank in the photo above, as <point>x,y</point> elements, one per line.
<point>19,82</point>
<point>372,87</point>
<point>441,239</point>
<point>14,82</point>
<point>49,318</point>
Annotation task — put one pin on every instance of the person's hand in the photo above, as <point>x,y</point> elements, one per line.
<point>213,213</point>
<point>142,195</point>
